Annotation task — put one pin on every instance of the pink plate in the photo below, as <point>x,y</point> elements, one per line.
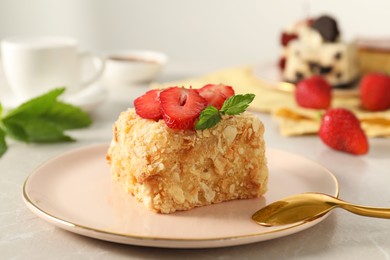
<point>75,192</point>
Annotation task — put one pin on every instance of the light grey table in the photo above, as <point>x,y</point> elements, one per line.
<point>362,179</point>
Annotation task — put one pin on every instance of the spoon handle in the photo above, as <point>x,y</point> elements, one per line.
<point>367,211</point>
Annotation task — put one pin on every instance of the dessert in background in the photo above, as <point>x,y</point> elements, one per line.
<point>373,54</point>
<point>314,47</point>
<point>159,154</point>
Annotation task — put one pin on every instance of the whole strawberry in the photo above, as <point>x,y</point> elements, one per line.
<point>314,92</point>
<point>375,92</point>
<point>340,129</point>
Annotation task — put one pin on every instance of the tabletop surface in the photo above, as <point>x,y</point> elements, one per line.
<point>362,179</point>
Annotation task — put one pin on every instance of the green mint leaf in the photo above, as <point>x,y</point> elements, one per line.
<point>15,130</point>
<point>3,144</point>
<point>37,130</point>
<point>1,110</point>
<point>66,116</point>
<point>36,106</point>
<point>208,118</point>
<point>237,104</point>
<point>42,131</point>
<point>234,105</point>
<point>41,120</point>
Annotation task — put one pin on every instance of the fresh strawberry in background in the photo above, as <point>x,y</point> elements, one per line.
<point>375,92</point>
<point>282,63</point>
<point>285,38</point>
<point>314,92</point>
<point>180,107</point>
<point>148,105</point>
<point>340,129</point>
<point>216,94</point>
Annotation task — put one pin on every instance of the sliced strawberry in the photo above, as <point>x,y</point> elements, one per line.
<point>148,105</point>
<point>180,107</point>
<point>216,94</point>
<point>341,130</point>
<point>314,92</point>
<point>213,98</point>
<point>228,91</point>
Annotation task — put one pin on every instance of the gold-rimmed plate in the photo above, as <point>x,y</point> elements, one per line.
<point>74,191</point>
<point>271,74</point>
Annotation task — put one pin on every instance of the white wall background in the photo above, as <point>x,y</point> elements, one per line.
<point>219,32</point>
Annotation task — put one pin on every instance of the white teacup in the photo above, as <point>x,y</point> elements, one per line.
<point>133,66</point>
<point>34,65</point>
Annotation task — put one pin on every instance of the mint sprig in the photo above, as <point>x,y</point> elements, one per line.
<point>3,144</point>
<point>41,120</point>
<point>234,105</point>
<point>208,118</point>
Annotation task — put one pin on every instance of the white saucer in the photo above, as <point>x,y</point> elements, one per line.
<point>87,99</point>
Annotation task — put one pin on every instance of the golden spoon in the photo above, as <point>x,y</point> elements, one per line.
<point>309,206</point>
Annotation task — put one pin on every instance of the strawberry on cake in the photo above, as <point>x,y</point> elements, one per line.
<point>182,148</point>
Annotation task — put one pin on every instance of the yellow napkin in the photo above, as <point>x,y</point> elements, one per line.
<point>292,119</point>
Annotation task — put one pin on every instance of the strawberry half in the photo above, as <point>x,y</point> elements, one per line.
<point>340,129</point>
<point>314,92</point>
<point>375,92</point>
<point>216,94</point>
<point>148,105</point>
<point>180,107</point>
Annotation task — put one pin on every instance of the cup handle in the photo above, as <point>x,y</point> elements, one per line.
<point>99,65</point>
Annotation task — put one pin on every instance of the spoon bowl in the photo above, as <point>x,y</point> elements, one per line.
<point>306,207</point>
